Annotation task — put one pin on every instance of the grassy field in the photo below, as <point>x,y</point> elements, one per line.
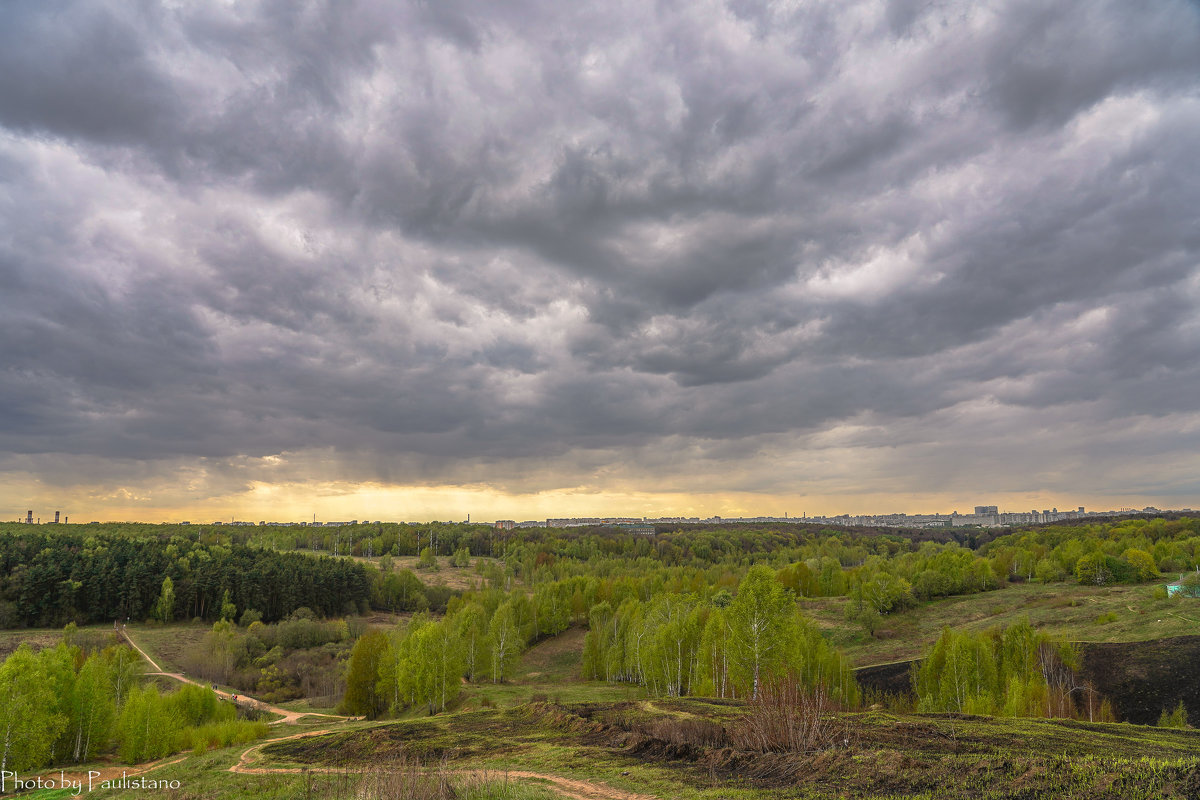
<point>1065,611</point>
<point>682,749</point>
<point>550,670</point>
<point>458,578</point>
<point>167,644</point>
<point>37,638</point>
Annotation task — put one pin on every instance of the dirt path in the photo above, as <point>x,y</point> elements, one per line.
<point>287,715</point>
<point>250,755</point>
<point>568,787</point>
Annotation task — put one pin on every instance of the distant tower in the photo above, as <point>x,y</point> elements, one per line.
<point>29,517</point>
<point>56,513</point>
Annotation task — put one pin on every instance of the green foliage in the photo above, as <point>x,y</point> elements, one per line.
<point>153,725</point>
<point>1142,563</point>
<point>1010,671</point>
<point>504,635</point>
<point>164,609</point>
<point>30,719</point>
<point>228,607</point>
<point>362,696</point>
<point>213,735</point>
<point>1174,719</point>
<point>99,574</point>
<point>461,558</point>
<point>146,729</point>
<point>758,617</point>
<point>428,559</point>
<point>676,644</point>
<point>92,710</point>
<point>470,624</point>
<point>398,591</point>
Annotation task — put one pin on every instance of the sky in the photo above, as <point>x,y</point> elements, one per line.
<point>419,260</point>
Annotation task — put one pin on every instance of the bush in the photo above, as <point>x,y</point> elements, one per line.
<point>787,718</point>
<point>222,734</point>
<point>1174,719</point>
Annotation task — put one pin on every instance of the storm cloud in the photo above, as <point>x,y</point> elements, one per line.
<point>795,249</point>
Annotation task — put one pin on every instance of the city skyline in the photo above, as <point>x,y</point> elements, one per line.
<point>976,515</point>
<point>710,258</point>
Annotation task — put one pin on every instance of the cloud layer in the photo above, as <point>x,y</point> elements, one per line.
<point>795,250</point>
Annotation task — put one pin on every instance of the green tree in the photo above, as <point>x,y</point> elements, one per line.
<point>428,559</point>
<point>149,727</point>
<point>714,654</point>
<point>1143,564</point>
<point>504,635</point>
<point>471,627</point>
<point>437,658</point>
<point>1174,719</point>
<point>228,609</point>
<point>362,676</point>
<point>93,710</point>
<point>28,722</point>
<point>164,609</point>
<point>757,618</point>
<point>1094,569</point>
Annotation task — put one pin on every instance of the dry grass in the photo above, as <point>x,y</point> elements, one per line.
<point>787,718</point>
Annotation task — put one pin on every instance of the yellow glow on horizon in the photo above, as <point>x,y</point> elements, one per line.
<point>340,501</point>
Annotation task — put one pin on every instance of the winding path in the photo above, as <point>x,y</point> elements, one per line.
<point>568,787</point>
<point>287,715</point>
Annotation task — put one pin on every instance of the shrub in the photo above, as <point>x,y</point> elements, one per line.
<point>1174,719</point>
<point>787,718</point>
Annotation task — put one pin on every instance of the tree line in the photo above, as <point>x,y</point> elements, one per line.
<point>1012,672</point>
<point>50,578</point>
<point>722,646</point>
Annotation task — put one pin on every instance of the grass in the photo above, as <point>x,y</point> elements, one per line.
<point>37,638</point>
<point>883,756</point>
<point>167,644</point>
<point>1065,611</point>
<point>549,670</point>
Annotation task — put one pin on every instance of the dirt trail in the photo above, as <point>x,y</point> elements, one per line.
<point>287,715</point>
<point>568,787</point>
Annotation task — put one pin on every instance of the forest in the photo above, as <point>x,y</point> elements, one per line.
<point>86,575</point>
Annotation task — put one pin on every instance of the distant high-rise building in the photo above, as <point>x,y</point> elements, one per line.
<point>56,513</point>
<point>980,510</point>
<point>1081,511</point>
<point>29,517</point>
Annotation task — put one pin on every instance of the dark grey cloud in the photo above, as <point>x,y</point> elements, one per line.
<point>435,242</point>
